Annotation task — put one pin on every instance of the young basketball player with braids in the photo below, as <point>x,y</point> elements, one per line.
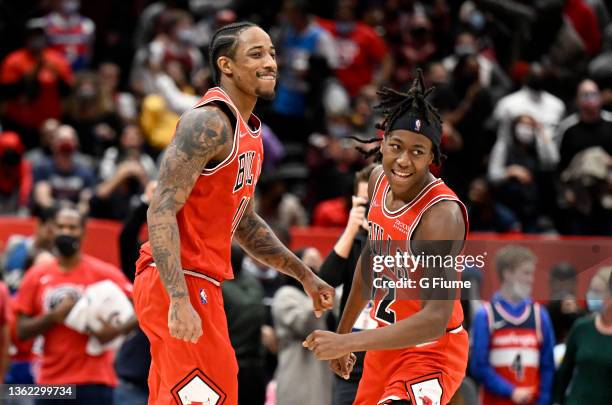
<point>418,353</point>
<point>204,198</point>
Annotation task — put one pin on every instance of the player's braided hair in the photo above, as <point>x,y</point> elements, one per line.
<point>394,104</point>
<point>223,43</point>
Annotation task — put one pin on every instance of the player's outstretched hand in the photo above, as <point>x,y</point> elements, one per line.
<point>321,293</point>
<point>343,366</point>
<point>326,345</point>
<point>184,322</point>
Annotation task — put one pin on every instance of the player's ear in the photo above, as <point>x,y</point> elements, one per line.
<point>224,64</point>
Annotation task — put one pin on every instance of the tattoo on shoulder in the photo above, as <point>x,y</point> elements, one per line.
<point>201,135</point>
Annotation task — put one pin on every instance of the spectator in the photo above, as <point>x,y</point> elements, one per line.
<point>134,357</point>
<point>70,33</point>
<point>21,252</point>
<point>278,206</point>
<point>363,57</point>
<point>585,23</point>
<point>43,150</point>
<point>339,268</point>
<point>48,293</point>
<point>486,213</point>
<point>300,379</point>
<point>563,306</point>
<point>299,40</point>
<point>96,123</point>
<point>62,177</point>
<point>490,75</point>
<point>590,126</point>
<point>584,375</point>
<point>15,176</point>
<point>513,339</point>
<point>34,81</point>
<point>124,173</point>
<point>121,103</point>
<point>243,301</point>
<point>531,100</point>
<point>521,167</point>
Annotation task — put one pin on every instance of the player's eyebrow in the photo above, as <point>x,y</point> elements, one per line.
<point>260,47</point>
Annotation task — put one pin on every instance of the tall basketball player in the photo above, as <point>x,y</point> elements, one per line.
<point>418,353</point>
<point>204,198</point>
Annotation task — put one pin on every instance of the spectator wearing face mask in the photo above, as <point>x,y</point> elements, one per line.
<point>62,177</point>
<point>513,338</point>
<point>584,374</point>
<point>48,293</point>
<point>15,175</point>
<point>590,126</point>
<point>521,168</point>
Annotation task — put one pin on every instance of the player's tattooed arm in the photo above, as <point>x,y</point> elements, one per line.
<point>203,134</point>
<point>256,237</point>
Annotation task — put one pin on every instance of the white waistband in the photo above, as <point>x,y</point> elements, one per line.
<point>195,274</point>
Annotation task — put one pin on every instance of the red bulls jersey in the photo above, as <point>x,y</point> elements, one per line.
<point>219,198</point>
<point>389,230</point>
<point>514,351</point>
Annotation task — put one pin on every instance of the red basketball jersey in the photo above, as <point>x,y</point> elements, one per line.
<point>219,198</point>
<point>387,228</point>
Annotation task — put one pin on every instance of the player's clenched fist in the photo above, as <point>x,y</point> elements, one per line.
<point>321,293</point>
<point>184,322</point>
<point>327,345</point>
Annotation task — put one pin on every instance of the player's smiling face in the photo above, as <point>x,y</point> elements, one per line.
<point>254,68</point>
<point>406,159</point>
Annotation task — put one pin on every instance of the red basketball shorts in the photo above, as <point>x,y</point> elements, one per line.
<point>422,376</point>
<point>181,372</point>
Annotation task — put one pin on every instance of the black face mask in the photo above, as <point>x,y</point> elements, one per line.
<point>67,245</point>
<point>11,157</point>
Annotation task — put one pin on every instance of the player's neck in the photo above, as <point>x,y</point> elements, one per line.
<point>411,194</point>
<point>244,103</point>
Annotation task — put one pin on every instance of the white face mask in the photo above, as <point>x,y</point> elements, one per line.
<point>521,291</point>
<point>525,133</point>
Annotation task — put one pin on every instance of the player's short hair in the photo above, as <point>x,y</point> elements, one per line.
<point>70,206</point>
<point>510,257</point>
<point>399,109</point>
<point>223,43</point>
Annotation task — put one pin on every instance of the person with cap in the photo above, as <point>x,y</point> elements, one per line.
<point>418,353</point>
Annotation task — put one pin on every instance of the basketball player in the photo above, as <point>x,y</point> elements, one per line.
<point>418,353</point>
<point>204,198</point>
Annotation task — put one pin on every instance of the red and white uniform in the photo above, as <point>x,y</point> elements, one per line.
<point>206,371</point>
<point>514,351</point>
<point>430,373</point>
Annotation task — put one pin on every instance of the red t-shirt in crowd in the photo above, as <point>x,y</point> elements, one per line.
<point>331,213</point>
<point>48,102</point>
<point>64,360</point>
<point>358,52</point>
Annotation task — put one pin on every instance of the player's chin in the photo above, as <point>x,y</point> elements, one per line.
<point>266,94</point>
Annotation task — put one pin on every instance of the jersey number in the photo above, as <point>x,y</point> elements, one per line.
<point>517,367</point>
<point>383,311</point>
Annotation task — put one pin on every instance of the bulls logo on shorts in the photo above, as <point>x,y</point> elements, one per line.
<point>197,389</point>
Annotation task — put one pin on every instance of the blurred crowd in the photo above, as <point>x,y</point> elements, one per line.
<point>91,92</point>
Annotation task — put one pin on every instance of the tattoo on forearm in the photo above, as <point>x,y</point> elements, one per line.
<point>256,237</point>
<point>202,134</point>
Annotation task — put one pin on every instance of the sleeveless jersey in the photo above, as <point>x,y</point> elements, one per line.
<point>514,349</point>
<point>71,36</point>
<point>389,228</point>
<point>219,198</point>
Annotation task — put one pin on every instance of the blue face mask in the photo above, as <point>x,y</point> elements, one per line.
<point>594,302</point>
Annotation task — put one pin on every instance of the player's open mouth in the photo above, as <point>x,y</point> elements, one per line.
<point>400,176</point>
